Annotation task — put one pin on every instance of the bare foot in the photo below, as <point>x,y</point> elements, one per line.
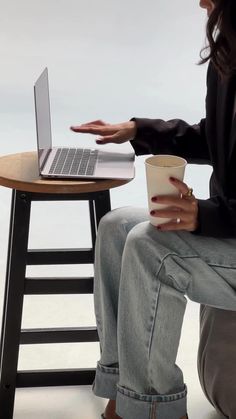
<point>110,411</point>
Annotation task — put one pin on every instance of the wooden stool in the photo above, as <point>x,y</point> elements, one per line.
<point>20,172</point>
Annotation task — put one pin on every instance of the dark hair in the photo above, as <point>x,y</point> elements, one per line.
<point>221,36</point>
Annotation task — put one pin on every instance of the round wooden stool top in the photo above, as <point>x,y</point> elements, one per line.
<point>20,172</point>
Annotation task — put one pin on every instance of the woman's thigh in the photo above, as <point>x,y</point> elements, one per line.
<point>203,268</point>
<point>213,271</point>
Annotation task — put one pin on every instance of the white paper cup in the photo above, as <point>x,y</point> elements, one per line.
<point>159,169</point>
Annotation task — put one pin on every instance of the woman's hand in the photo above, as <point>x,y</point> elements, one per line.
<point>183,210</point>
<point>109,133</point>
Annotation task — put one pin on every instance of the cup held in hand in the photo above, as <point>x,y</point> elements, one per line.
<point>159,169</point>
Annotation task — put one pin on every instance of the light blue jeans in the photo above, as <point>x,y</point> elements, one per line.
<point>141,278</point>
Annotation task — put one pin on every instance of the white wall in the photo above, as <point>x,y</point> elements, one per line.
<point>106,59</point>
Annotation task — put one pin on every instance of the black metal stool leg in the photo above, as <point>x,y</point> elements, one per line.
<point>14,294</point>
<point>102,205</point>
<point>98,207</point>
<point>7,268</point>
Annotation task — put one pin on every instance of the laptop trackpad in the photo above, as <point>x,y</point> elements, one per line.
<point>115,164</point>
<point>107,157</point>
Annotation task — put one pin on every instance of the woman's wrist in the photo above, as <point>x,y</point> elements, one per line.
<point>134,129</point>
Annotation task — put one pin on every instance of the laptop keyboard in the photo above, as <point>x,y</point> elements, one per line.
<point>74,161</point>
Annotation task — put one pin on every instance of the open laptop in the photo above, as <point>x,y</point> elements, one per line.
<point>64,162</point>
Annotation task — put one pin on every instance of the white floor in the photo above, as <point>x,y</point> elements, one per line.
<point>80,403</point>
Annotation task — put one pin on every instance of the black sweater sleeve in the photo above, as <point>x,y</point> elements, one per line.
<point>155,136</point>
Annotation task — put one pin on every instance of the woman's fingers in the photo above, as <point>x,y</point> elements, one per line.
<point>173,225</point>
<point>183,208</point>
<point>94,129</point>
<point>176,201</point>
<point>168,213</point>
<point>115,138</point>
<point>181,186</point>
<point>97,122</point>
<point>109,133</point>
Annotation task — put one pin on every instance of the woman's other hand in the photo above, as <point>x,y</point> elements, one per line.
<point>108,133</point>
<point>182,209</point>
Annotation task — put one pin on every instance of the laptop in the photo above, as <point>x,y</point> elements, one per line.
<point>73,162</point>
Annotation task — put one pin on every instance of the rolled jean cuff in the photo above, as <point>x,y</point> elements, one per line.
<point>131,405</point>
<point>105,383</point>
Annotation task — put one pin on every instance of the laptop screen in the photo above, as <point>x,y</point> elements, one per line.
<point>43,118</point>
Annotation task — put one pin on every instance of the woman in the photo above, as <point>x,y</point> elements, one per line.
<point>143,273</point>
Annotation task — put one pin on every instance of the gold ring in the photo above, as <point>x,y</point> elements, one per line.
<point>190,192</point>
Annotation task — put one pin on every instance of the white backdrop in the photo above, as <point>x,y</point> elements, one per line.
<point>107,59</point>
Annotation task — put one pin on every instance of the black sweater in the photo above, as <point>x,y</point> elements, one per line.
<point>213,142</point>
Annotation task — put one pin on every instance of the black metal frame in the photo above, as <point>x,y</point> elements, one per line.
<point>17,285</point>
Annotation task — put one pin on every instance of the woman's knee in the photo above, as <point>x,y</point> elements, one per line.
<point>137,237</point>
<point>139,243</point>
<point>120,220</point>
